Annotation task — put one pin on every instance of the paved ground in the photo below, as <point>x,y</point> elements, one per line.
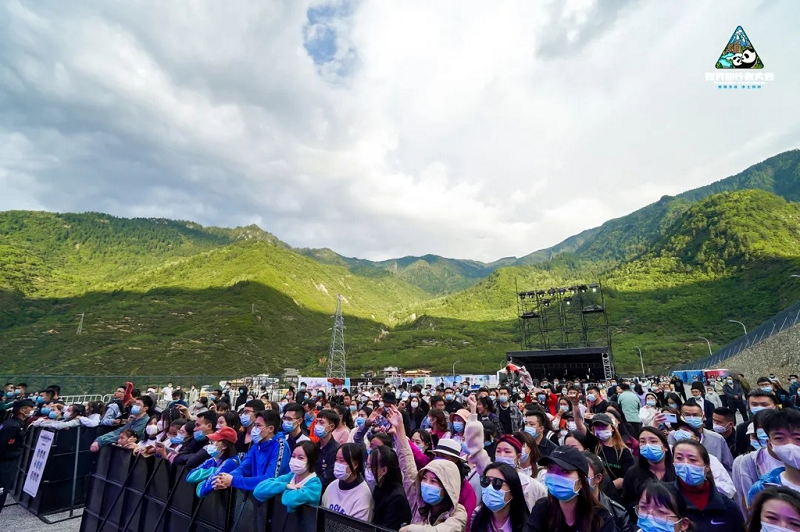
<point>15,517</point>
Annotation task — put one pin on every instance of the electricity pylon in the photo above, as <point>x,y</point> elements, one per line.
<point>336,362</point>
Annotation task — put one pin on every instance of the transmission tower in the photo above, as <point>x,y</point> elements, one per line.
<point>336,364</point>
<point>80,325</point>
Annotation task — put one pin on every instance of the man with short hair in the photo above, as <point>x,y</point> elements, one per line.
<point>325,424</point>
<point>137,423</point>
<point>734,392</point>
<point>794,385</point>
<point>193,453</point>
<point>247,417</point>
<point>114,409</point>
<point>595,404</point>
<point>697,392</point>
<point>293,425</point>
<point>783,430</point>
<point>536,424</point>
<point>714,443</point>
<point>167,392</point>
<point>267,458</point>
<point>508,413</point>
<point>630,404</point>
<point>757,401</point>
<point>451,406</point>
<point>724,424</point>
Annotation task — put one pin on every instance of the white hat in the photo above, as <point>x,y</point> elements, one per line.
<point>448,447</point>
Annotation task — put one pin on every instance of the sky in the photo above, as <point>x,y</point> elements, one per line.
<point>465,129</point>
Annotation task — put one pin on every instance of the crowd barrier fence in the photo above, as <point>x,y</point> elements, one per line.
<point>136,494</point>
<point>63,476</point>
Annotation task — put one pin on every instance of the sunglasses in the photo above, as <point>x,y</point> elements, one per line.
<point>497,483</point>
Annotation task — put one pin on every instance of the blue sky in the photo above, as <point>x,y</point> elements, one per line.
<point>383,129</point>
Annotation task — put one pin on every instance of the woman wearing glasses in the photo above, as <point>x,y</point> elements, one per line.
<point>661,508</point>
<point>503,507</point>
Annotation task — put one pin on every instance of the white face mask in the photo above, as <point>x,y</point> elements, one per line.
<point>340,471</point>
<point>152,430</point>
<point>297,466</point>
<point>160,426</point>
<point>789,454</point>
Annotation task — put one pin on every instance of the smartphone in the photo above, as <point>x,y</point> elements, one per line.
<point>670,418</point>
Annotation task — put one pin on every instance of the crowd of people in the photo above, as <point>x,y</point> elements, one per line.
<point>565,454</point>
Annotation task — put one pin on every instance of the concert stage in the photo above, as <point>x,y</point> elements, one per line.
<point>595,362</point>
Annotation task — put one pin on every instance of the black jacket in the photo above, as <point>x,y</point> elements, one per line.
<point>618,512</point>
<point>537,520</point>
<point>189,450</point>
<point>742,439</point>
<point>721,514</point>
<point>327,457</point>
<point>391,507</point>
<point>12,438</point>
<point>633,483</point>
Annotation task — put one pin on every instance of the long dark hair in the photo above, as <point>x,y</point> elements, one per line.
<point>789,496</point>
<point>535,455</point>
<point>384,456</point>
<point>587,510</point>
<point>353,454</point>
<point>644,463</point>
<point>345,415</point>
<point>519,508</point>
<point>667,495</point>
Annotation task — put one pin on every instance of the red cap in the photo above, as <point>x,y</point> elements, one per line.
<point>225,433</point>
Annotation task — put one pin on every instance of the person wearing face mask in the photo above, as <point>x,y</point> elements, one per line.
<point>451,405</point>
<point>757,401</point>
<point>486,414</point>
<point>536,424</point>
<point>301,486</point>
<point>650,409</point>
<point>417,410</point>
<point>693,415</point>
<point>267,458</point>
<point>734,395</point>
<point>12,443</point>
<point>706,507</point>
<point>707,407</point>
<point>616,456</point>
<point>529,457</point>
<point>570,504</point>
<point>722,479</point>
<point>783,432</point>
<point>364,413</point>
<point>610,500</point>
<point>247,418</point>
<point>148,441</point>
<point>194,453</point>
<point>458,422</point>
<point>750,467</point>
<point>563,420</point>
<point>661,508</point>
<point>93,414</point>
<point>503,507</point>
<point>776,509</point>
<point>595,404</point>
<point>326,421</point>
<point>137,422</point>
<point>724,424</point>
<point>510,416</point>
<point>383,475</point>
<point>293,426</point>
<point>349,493</point>
<point>653,464</point>
<point>222,458</point>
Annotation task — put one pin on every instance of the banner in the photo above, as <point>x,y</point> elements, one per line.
<point>38,462</point>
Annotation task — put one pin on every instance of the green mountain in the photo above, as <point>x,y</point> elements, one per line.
<point>172,297</point>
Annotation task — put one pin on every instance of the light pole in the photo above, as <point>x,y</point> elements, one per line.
<point>709,344</point>
<point>641,360</point>
<point>740,323</point>
<point>454,370</point>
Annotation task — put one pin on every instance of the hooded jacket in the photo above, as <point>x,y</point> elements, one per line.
<point>453,520</point>
<point>266,459</point>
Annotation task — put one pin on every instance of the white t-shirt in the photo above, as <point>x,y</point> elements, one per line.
<point>356,502</point>
<point>788,484</point>
<point>167,391</point>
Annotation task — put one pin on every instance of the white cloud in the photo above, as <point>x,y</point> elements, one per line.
<point>459,128</point>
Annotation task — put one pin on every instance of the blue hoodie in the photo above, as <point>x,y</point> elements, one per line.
<point>773,478</point>
<point>267,459</point>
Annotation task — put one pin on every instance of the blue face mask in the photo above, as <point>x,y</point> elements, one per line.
<point>541,397</point>
<point>767,389</point>
<point>458,426</point>
<point>359,421</point>
<point>494,500</point>
<point>319,431</point>
<point>756,409</point>
<point>45,410</point>
<point>591,397</point>
<point>652,453</point>
<point>39,400</point>
<point>199,436</point>
<point>176,440</point>
<point>255,434</point>
<point>532,431</point>
<point>287,426</point>
<point>17,392</point>
<point>352,408</point>
<point>136,410</point>
<point>650,402</point>
<point>212,450</point>
<point>755,444</point>
<point>648,524</point>
<point>430,494</point>
<point>691,474</point>
<point>681,435</point>
<point>564,408</point>
<point>694,421</point>
<point>562,488</point>
<point>448,397</point>
<point>502,398</point>
<point>52,414</point>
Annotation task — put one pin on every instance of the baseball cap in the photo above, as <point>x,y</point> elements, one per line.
<point>568,459</point>
<point>389,398</point>
<point>602,419</point>
<point>225,433</point>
